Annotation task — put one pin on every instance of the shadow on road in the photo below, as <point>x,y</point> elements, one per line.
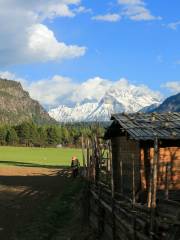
<point>25,164</point>
<point>23,198</point>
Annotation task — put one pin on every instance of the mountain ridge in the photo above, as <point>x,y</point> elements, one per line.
<point>17,106</point>
<point>170,104</point>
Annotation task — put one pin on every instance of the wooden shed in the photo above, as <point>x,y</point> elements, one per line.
<point>146,155</point>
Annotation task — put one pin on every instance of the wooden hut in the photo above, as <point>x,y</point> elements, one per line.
<point>146,155</point>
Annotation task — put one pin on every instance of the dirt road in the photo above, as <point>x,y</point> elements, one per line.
<point>24,193</point>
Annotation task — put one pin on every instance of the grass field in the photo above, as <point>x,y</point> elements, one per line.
<point>38,157</point>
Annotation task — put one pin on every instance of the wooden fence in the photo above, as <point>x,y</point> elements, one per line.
<point>114,216</point>
<point>118,218</point>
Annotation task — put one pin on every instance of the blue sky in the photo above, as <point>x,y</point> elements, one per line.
<point>133,39</point>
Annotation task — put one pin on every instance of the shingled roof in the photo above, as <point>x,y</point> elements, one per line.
<point>143,126</point>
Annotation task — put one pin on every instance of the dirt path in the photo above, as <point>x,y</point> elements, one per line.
<point>23,194</point>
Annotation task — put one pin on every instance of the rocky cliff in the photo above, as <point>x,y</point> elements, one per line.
<point>17,106</point>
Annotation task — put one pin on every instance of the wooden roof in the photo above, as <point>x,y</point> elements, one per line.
<point>147,126</point>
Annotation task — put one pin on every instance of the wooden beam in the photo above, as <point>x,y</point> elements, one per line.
<point>154,184</point>
<point>82,144</point>
<point>155,167</point>
<point>149,175</point>
<point>133,179</point>
<point>168,172</point>
<point>88,160</point>
<point>112,195</point>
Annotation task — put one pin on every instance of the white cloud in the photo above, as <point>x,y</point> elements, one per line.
<point>43,44</point>
<point>138,13</point>
<point>172,86</point>
<point>108,17</point>
<point>57,9</point>
<point>51,91</point>
<point>8,75</point>
<point>92,89</point>
<point>160,59</point>
<point>130,2</point>
<point>60,90</point>
<point>82,9</point>
<point>47,91</point>
<point>177,62</point>
<point>173,25</point>
<point>11,76</point>
<point>136,10</point>
<point>24,36</point>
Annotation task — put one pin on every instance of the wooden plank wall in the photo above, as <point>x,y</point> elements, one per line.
<point>125,151</point>
<point>168,167</point>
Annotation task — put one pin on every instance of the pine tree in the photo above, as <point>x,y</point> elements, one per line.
<point>3,133</point>
<point>52,136</point>
<point>65,136</point>
<point>23,132</point>
<point>42,136</point>
<point>33,134</point>
<point>11,137</point>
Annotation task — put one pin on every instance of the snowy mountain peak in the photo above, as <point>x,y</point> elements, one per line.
<point>72,114</point>
<point>121,97</point>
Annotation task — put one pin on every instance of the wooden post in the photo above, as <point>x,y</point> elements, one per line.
<point>142,170</point>
<point>121,175</point>
<point>133,179</point>
<point>107,164</point>
<point>133,194</point>
<point>168,171</point>
<point>88,161</point>
<point>112,175</point>
<point>96,155</point>
<point>155,162</point>
<point>84,161</point>
<point>112,194</point>
<point>93,159</point>
<point>150,189</point>
<point>150,178</point>
<point>154,184</point>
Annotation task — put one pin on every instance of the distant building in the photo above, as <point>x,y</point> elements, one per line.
<point>59,146</point>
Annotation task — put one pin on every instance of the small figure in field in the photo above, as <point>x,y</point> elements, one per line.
<point>75,165</point>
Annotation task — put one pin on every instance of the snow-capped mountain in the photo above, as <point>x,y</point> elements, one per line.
<point>77,114</point>
<point>105,108</point>
<point>117,99</point>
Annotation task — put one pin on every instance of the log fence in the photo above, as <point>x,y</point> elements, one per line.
<point>114,215</point>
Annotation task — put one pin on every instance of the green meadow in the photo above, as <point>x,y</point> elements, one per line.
<point>38,157</point>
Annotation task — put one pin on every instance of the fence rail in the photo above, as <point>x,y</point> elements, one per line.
<point>115,215</point>
<point>121,219</point>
